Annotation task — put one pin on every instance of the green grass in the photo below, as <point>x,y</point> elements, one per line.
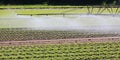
<point>42,9</point>
<point>54,11</point>
<point>36,6</point>
<point>88,51</point>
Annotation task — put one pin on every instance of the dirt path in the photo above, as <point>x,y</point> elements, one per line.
<point>62,41</point>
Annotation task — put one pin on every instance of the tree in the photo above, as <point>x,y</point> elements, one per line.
<point>56,2</point>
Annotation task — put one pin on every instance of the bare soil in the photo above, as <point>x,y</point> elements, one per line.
<point>61,41</point>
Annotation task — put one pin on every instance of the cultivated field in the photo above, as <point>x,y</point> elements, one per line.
<point>92,51</point>
<point>29,44</point>
<point>8,34</point>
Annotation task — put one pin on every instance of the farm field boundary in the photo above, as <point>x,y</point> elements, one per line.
<point>62,41</point>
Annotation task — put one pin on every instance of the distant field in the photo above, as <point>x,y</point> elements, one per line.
<point>41,9</point>
<point>63,11</point>
<point>58,11</point>
<point>35,6</point>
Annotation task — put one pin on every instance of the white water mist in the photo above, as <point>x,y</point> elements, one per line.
<point>67,22</point>
<point>75,22</point>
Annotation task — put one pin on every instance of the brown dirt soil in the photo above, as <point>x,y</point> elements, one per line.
<point>61,41</point>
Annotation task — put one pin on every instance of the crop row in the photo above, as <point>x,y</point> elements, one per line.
<point>86,51</point>
<point>22,34</point>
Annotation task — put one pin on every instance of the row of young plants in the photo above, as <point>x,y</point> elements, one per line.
<point>85,51</point>
<point>71,11</point>
<point>7,34</point>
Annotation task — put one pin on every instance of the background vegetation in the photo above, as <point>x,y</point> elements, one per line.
<point>57,2</point>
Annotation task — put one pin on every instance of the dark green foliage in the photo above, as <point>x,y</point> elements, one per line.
<point>56,2</point>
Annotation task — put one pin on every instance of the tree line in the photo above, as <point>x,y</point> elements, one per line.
<point>57,2</point>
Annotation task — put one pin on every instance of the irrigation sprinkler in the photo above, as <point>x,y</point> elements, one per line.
<point>88,8</point>
<point>109,9</point>
<point>102,10</point>
<point>99,9</point>
<point>92,9</point>
<point>116,12</point>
